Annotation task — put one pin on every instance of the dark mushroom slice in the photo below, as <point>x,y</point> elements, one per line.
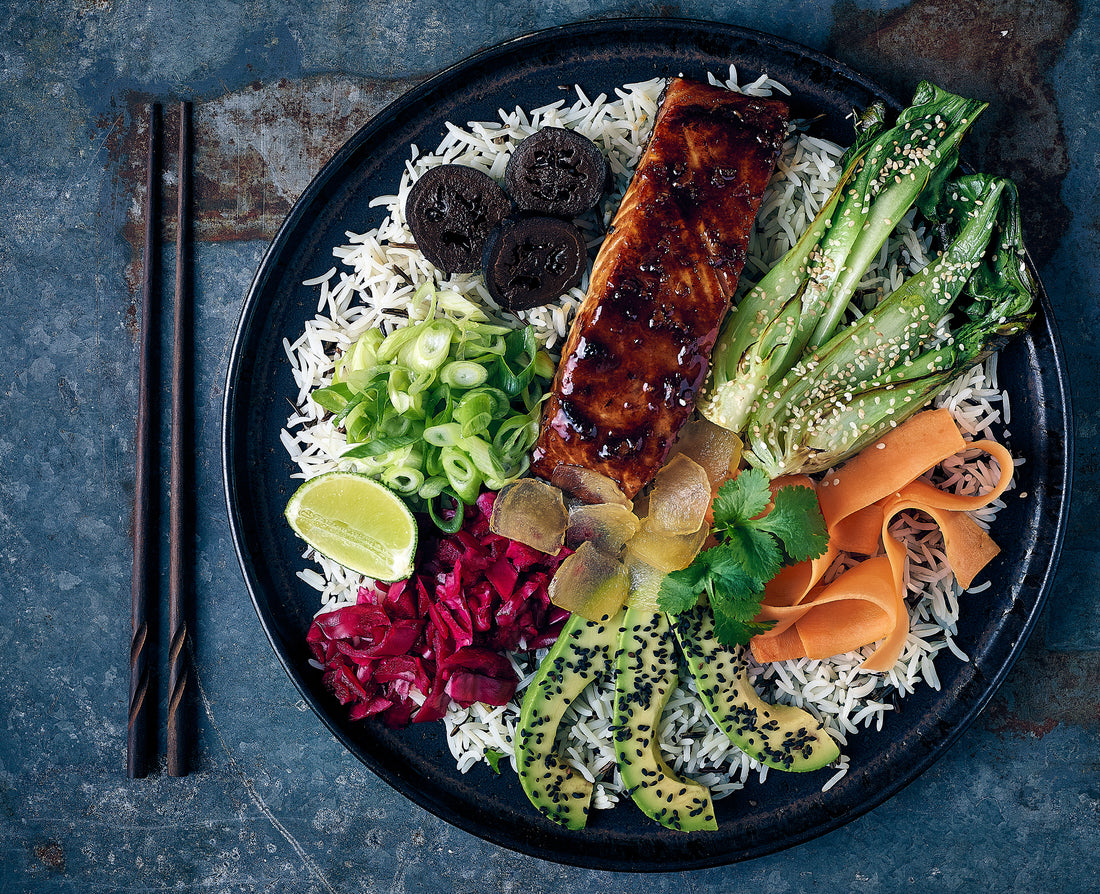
<point>558,172</point>
<point>533,261</point>
<point>451,210</point>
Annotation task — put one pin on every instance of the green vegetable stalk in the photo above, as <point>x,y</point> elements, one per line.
<point>806,390</point>
<point>892,361</point>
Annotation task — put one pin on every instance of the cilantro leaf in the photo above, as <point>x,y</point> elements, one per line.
<point>756,551</point>
<point>734,608</point>
<point>680,589</point>
<point>752,548</point>
<point>493,757</point>
<point>730,631</point>
<point>726,565</point>
<point>741,499</point>
<point>797,521</point>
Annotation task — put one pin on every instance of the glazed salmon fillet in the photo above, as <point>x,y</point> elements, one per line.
<point>639,349</point>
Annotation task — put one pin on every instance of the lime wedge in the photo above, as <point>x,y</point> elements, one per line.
<point>354,520</point>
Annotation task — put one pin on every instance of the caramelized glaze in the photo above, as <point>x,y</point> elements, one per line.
<point>639,348</point>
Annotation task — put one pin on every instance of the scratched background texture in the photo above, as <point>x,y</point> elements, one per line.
<point>273,803</point>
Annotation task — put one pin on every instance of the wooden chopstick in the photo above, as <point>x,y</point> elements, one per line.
<point>179,503</point>
<point>144,533</point>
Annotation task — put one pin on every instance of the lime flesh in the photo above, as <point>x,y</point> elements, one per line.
<point>354,520</point>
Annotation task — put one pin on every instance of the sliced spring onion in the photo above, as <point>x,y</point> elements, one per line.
<point>447,434</point>
<point>476,411</point>
<point>441,407</point>
<point>463,374</point>
<point>431,347</point>
<point>516,435</point>
<point>462,474</point>
<point>518,366</point>
<point>460,307</point>
<point>438,510</point>
<point>433,487</point>
<point>332,398</point>
<point>404,481</point>
<point>484,458</point>
<point>379,446</point>
<point>363,354</point>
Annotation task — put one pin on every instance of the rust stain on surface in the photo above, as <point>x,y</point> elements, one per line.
<point>51,855</point>
<point>258,149</point>
<point>255,151</point>
<point>1019,728</point>
<point>130,320</point>
<point>1068,694</point>
<point>992,51</point>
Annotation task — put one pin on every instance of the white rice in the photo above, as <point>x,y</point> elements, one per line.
<point>377,275</point>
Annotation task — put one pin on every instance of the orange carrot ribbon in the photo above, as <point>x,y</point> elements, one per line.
<point>866,603</point>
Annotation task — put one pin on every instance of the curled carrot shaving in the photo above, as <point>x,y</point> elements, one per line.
<point>866,603</point>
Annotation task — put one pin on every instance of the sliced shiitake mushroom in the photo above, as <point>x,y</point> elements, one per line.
<point>533,260</point>
<point>451,210</point>
<point>556,171</point>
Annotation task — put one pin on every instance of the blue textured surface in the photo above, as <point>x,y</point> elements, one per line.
<point>274,803</point>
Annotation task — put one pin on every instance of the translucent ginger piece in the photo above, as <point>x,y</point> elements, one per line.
<point>679,498</point>
<point>645,584</point>
<point>607,525</point>
<point>588,486</point>
<point>716,449</point>
<point>532,512</point>
<point>590,583</point>
<point>665,552</point>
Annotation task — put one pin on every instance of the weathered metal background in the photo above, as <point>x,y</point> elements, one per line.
<point>274,804</point>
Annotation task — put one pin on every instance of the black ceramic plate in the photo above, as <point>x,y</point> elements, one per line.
<point>789,808</point>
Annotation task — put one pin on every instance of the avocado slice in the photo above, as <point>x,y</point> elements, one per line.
<point>779,736</point>
<point>583,653</point>
<point>647,675</point>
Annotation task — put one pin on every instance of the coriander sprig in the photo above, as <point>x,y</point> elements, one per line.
<point>753,546</point>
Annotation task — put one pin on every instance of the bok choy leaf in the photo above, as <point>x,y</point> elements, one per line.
<point>806,388</point>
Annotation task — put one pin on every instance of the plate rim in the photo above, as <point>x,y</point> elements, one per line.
<point>431,85</point>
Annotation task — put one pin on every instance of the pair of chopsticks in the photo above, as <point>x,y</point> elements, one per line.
<point>144,591</point>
